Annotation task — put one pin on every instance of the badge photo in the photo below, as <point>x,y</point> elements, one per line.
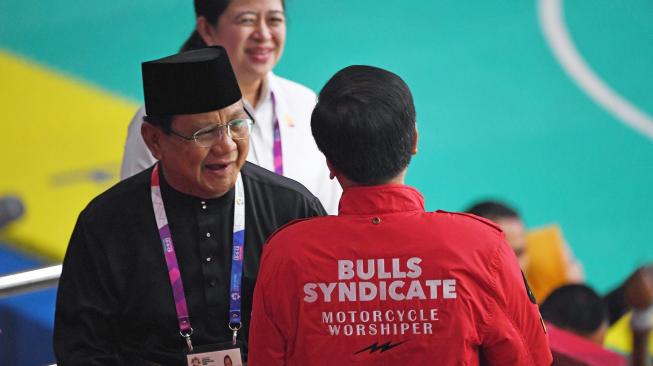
<point>226,357</point>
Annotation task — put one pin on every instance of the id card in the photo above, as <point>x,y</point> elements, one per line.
<point>214,356</point>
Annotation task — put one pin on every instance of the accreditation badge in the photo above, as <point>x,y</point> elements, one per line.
<point>223,354</point>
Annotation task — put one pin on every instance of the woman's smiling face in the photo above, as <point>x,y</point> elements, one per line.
<point>254,34</point>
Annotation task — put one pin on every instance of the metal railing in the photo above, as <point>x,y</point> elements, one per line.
<point>22,282</point>
<point>28,281</point>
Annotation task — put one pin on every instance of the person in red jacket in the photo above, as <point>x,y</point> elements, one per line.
<point>385,282</point>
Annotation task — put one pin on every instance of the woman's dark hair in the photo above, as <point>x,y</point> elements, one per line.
<point>576,308</point>
<point>225,356</point>
<point>211,10</point>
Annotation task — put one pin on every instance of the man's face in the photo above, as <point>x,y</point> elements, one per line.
<point>515,233</point>
<point>204,172</point>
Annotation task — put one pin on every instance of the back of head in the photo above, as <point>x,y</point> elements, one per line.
<point>364,123</point>
<point>576,308</point>
<point>493,210</point>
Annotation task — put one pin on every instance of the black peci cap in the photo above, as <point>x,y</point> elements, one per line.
<point>190,82</point>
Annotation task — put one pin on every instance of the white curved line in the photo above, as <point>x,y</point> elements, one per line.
<point>552,22</point>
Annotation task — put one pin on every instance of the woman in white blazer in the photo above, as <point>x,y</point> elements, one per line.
<point>254,33</point>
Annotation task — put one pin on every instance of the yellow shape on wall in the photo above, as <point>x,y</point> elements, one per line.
<point>62,142</point>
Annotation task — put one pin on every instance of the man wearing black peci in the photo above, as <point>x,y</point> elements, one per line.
<point>163,264</point>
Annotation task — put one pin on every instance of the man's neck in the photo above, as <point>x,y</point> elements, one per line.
<point>347,183</point>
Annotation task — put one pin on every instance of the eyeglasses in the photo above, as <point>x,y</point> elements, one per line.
<point>237,129</point>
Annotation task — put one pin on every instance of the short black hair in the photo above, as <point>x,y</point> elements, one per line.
<point>493,210</point>
<point>364,123</point>
<point>576,308</point>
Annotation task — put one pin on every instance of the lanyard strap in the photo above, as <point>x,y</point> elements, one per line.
<point>276,131</point>
<point>237,257</point>
<point>174,274</point>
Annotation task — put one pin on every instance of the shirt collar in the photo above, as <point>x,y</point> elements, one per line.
<point>381,199</point>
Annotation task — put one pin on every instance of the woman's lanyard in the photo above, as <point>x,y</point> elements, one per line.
<point>276,134</point>
<point>181,306</point>
<point>277,151</point>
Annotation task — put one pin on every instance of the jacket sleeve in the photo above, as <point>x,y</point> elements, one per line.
<point>83,332</point>
<point>267,341</point>
<point>136,156</point>
<point>515,333</point>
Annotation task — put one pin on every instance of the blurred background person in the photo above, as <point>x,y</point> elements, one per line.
<point>578,309</point>
<point>548,263</point>
<point>550,268</point>
<point>254,34</point>
<point>544,256</point>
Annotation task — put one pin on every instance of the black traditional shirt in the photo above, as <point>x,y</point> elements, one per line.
<point>115,302</point>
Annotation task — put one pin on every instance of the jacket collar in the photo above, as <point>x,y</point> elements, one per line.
<point>389,198</point>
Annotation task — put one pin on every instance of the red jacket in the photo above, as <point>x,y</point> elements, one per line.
<point>386,283</point>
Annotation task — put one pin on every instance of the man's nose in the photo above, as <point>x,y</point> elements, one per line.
<point>224,144</point>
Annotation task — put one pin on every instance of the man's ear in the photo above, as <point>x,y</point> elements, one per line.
<point>205,30</point>
<point>152,137</point>
<point>332,171</point>
<point>414,148</point>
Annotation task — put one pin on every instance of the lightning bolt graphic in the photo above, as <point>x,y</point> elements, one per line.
<point>384,347</point>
